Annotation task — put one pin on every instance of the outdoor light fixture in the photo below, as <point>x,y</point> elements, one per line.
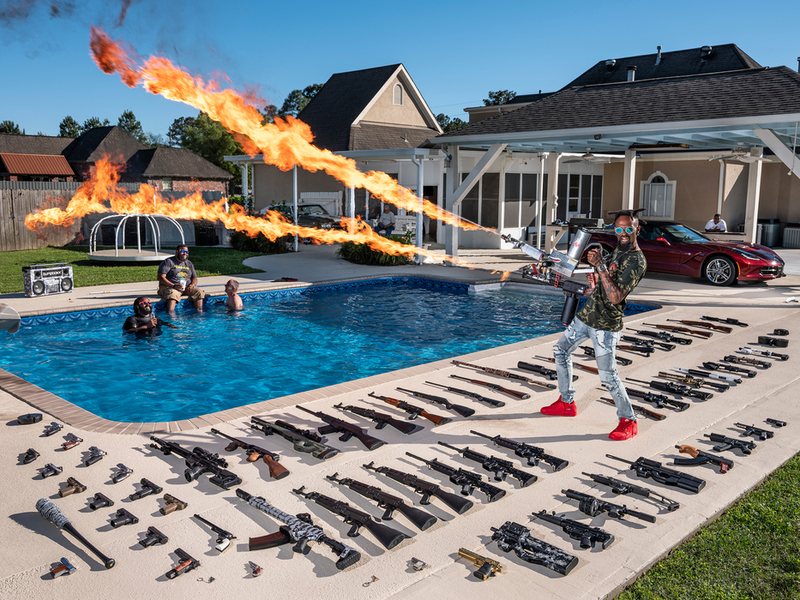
<point>597,136</point>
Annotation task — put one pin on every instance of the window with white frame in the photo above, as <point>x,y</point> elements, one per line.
<point>397,97</point>
<point>657,197</point>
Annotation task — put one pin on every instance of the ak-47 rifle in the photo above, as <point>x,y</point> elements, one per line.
<point>647,342</point>
<point>426,488</point>
<point>623,487</point>
<point>710,375</point>
<point>674,388</point>
<point>382,419</point>
<point>468,394</point>
<point>762,434</point>
<point>347,430</point>
<point>587,368</point>
<point>587,534</point>
<point>506,374</point>
<point>663,336</point>
<point>414,411</point>
<point>302,440</point>
<point>645,467</point>
<point>729,321</point>
<point>693,382</point>
<point>700,457</point>
<point>746,360</point>
<point>642,410</point>
<point>461,477</point>
<point>532,454</point>
<point>199,461</point>
<point>659,400</point>
<point>589,351</point>
<point>728,443</point>
<point>721,328</point>
<point>498,466</point>
<point>714,366</point>
<point>276,470</point>
<point>464,411</point>
<point>589,505</point>
<point>686,330</point>
<point>494,386</point>
<point>513,536</point>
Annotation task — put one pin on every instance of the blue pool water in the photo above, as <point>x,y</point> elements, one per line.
<point>282,343</point>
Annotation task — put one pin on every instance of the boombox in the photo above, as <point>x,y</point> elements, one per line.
<point>43,280</point>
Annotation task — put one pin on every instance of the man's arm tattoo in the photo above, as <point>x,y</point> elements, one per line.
<point>614,293</point>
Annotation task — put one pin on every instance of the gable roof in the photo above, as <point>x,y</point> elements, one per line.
<point>34,144</point>
<point>98,142</point>
<point>173,162</point>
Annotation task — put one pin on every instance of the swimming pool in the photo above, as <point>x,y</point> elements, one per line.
<point>284,342</point>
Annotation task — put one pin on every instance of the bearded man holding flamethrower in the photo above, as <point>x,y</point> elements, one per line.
<point>600,319</point>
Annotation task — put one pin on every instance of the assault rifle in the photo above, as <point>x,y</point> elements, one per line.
<point>674,388</point>
<point>421,519</point>
<point>587,535</point>
<point>513,536</point>
<point>302,440</point>
<point>506,374</point>
<point>589,505</point>
<point>499,467</point>
<point>730,368</point>
<point>693,381</point>
<point>468,394</point>
<point>300,530</point>
<point>589,351</point>
<point>721,328</point>
<point>532,454</point>
<point>382,419</point>
<point>762,434</point>
<point>686,330</point>
<point>728,443</point>
<point>642,410</point>
<point>710,375</point>
<point>766,353</point>
<point>276,470</point>
<point>700,458</point>
<point>659,400</point>
<point>456,408</point>
<point>494,386</point>
<point>426,488</point>
<point>387,536</point>
<point>645,467</point>
<point>649,342</point>
<point>199,461</point>
<point>460,477</point>
<point>623,487</point>
<point>346,429</point>
<point>587,368</point>
<point>414,411</point>
<point>663,336</point>
<point>643,350</point>
<point>746,360</point>
<point>729,321</point>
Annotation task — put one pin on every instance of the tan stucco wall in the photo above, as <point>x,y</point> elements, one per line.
<point>385,111</point>
<point>270,184</point>
<point>780,193</point>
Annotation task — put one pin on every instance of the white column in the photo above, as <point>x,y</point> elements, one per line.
<point>721,186</point>
<point>551,201</point>
<point>753,196</point>
<point>628,180</point>
<point>245,195</point>
<point>451,232</point>
<point>420,181</point>
<point>294,202</point>
<point>539,200</point>
<point>352,206</point>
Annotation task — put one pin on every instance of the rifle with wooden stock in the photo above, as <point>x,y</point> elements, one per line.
<point>464,411</point>
<point>382,419</point>
<point>686,330</point>
<point>468,394</point>
<point>506,374</point>
<point>276,470</point>
<point>414,411</point>
<point>637,408</point>
<point>347,430</point>
<point>586,368</point>
<point>722,328</point>
<point>494,386</point>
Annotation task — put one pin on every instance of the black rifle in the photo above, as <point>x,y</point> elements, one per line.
<point>674,388</point>
<point>659,400</point>
<point>347,430</point>
<point>645,467</point>
<point>776,422</point>
<point>663,336</point>
<point>387,536</point>
<point>426,488</point>
<point>276,470</point>
<point>494,386</point>
<point>468,394</point>
<point>199,461</point>
<point>650,342</point>
<point>224,537</point>
<point>302,440</point>
<point>529,367</point>
<point>639,410</point>
<point>506,374</point>
<point>414,411</point>
<point>550,374</point>
<point>623,487</point>
<point>421,519</point>
<point>701,458</point>
<point>461,410</point>
<point>729,321</point>
<point>694,382</point>
<point>382,419</point>
<point>728,443</point>
<point>766,353</point>
<point>589,505</point>
<point>461,477</point>
<point>762,434</point>
<point>587,535</point>
<point>710,375</point>
<point>501,468</point>
<point>746,360</point>
<point>513,536</point>
<point>532,454</point>
<point>589,351</point>
<point>686,330</point>
<point>730,369</point>
<point>645,350</point>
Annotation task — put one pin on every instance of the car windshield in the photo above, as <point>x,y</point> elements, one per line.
<point>683,234</point>
<point>311,209</point>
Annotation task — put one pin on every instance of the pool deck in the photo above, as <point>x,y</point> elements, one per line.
<point>33,545</point>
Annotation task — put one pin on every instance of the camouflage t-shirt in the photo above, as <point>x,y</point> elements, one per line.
<point>626,270</point>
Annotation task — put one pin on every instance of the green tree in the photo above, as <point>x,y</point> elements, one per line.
<point>69,127</point>
<point>11,128</point>
<point>177,129</point>
<point>155,140</point>
<point>129,122</point>
<point>207,138</point>
<point>499,97</point>
<point>93,122</point>
<point>297,100</point>
<point>448,124</point>
<point>270,111</point>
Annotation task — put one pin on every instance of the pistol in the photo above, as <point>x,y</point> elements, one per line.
<point>486,566</point>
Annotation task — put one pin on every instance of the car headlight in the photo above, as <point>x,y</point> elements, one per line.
<point>326,225</point>
<point>748,255</point>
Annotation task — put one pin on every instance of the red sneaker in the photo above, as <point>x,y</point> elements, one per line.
<point>560,408</point>
<point>625,430</point>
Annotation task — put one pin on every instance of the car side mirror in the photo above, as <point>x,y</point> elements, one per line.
<point>662,240</point>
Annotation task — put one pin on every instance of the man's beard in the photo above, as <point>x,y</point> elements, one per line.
<point>626,246</point>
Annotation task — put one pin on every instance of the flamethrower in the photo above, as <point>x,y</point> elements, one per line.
<point>556,268</point>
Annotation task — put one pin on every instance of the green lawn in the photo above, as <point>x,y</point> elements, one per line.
<point>752,552</point>
<point>207,261</point>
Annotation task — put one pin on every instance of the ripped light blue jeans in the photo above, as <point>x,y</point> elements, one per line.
<point>605,344</point>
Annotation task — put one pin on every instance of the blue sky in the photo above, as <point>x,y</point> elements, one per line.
<point>455,52</point>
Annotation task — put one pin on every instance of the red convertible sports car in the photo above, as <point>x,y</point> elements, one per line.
<point>670,247</point>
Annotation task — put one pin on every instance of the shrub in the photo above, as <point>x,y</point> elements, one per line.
<point>260,243</point>
<point>361,254</point>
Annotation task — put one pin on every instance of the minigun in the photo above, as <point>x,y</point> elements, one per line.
<point>556,268</point>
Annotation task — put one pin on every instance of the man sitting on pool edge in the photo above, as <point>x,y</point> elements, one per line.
<point>143,321</point>
<point>177,278</point>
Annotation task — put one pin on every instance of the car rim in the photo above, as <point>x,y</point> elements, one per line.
<point>718,271</point>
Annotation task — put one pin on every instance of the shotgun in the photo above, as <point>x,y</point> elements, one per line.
<point>722,328</point>
<point>686,330</point>
<point>457,408</point>
<point>468,394</point>
<point>586,368</point>
<point>506,374</point>
<point>494,386</point>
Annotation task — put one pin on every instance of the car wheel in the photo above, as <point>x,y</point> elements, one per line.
<point>720,270</point>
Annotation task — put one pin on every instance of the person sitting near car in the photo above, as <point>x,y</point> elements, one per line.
<point>177,278</point>
<point>716,225</point>
<point>143,321</point>
<point>386,222</point>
